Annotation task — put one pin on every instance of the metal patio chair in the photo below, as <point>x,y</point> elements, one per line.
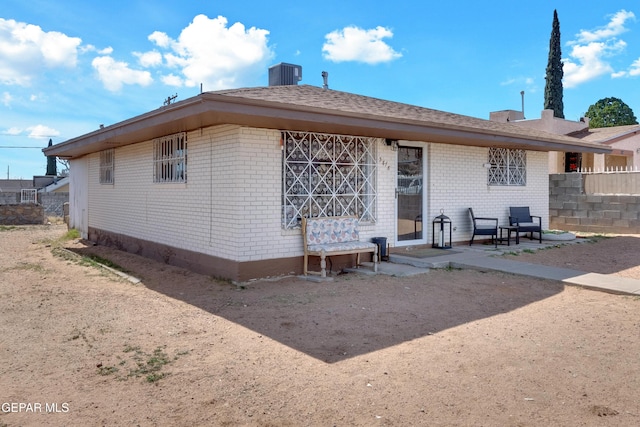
<point>484,227</point>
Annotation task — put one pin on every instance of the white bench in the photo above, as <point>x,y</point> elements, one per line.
<point>338,235</point>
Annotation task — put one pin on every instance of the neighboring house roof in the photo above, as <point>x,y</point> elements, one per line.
<point>15,185</point>
<point>608,135</point>
<point>57,184</point>
<point>310,108</point>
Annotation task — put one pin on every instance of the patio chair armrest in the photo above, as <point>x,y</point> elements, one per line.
<point>513,220</point>
<point>539,218</point>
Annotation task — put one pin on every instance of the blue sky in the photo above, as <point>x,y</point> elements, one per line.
<point>68,66</point>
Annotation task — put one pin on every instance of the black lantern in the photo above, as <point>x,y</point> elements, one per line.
<point>439,230</point>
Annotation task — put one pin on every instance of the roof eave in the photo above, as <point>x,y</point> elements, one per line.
<point>621,137</point>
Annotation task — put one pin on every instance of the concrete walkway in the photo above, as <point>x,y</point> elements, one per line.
<point>486,257</point>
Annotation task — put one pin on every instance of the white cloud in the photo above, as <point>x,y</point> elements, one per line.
<point>87,48</point>
<point>149,59</point>
<point>590,52</point>
<point>633,71</point>
<point>589,61</point>
<point>360,45</point>
<point>6,99</point>
<point>25,49</point>
<point>92,48</point>
<point>42,131</point>
<point>209,52</point>
<point>175,61</point>
<point>114,74</point>
<point>635,68</point>
<point>160,39</point>
<point>12,131</point>
<point>614,28</point>
<point>172,80</point>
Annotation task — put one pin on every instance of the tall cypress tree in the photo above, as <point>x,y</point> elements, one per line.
<point>553,87</point>
<point>51,163</point>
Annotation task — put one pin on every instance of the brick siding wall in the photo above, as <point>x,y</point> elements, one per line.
<point>230,206</point>
<point>458,181</point>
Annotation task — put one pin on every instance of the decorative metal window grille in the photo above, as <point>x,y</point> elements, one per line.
<point>327,175</point>
<point>170,158</point>
<point>107,160</point>
<point>508,167</point>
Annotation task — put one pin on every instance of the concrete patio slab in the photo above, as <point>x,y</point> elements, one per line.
<point>487,257</point>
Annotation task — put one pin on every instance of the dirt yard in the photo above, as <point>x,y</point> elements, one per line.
<point>80,346</point>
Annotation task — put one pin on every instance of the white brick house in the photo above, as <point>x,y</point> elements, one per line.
<point>218,182</point>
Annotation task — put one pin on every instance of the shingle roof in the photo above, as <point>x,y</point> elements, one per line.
<point>310,108</point>
<point>604,135</point>
<point>13,185</point>
<point>315,97</point>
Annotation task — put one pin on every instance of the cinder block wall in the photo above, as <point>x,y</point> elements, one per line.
<point>572,210</point>
<point>9,198</point>
<point>53,203</point>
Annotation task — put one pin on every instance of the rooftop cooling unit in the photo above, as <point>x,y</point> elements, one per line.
<point>285,74</point>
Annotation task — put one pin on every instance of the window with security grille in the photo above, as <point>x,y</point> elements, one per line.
<point>508,167</point>
<point>327,175</point>
<point>107,161</point>
<point>170,158</point>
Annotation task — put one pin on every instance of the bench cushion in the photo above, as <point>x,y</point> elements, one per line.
<point>345,246</point>
<point>332,230</point>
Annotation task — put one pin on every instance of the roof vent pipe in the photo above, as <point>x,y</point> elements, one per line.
<point>522,95</point>
<point>325,79</point>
